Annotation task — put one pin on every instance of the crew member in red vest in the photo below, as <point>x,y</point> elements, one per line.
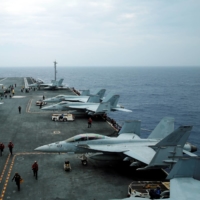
<point>1,148</point>
<point>10,146</point>
<point>90,122</point>
<point>35,169</point>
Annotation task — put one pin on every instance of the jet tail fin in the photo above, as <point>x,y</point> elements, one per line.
<point>57,83</point>
<point>164,128</point>
<point>60,82</point>
<point>101,93</point>
<point>131,127</point>
<point>113,99</point>
<point>103,108</point>
<point>170,148</point>
<point>186,167</point>
<point>94,99</point>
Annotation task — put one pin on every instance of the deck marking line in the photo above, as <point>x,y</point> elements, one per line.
<point>11,166</point>
<point>4,169</point>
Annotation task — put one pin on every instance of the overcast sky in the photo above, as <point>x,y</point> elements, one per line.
<point>100,32</point>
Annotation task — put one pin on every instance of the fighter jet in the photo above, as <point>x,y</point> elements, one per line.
<point>128,146</point>
<point>89,107</point>
<point>74,98</point>
<point>53,85</point>
<point>37,83</point>
<point>184,176</point>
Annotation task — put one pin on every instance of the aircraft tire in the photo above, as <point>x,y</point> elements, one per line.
<point>84,162</point>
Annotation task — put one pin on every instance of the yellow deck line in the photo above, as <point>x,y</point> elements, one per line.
<point>10,169</point>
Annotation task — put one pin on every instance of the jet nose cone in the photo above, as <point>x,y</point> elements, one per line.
<point>193,148</point>
<point>42,148</point>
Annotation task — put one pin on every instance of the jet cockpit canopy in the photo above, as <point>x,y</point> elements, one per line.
<point>87,136</point>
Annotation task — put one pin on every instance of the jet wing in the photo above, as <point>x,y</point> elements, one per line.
<point>92,108</point>
<point>142,154</point>
<point>103,148</point>
<point>121,109</point>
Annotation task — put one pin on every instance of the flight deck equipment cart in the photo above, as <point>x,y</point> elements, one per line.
<point>67,166</point>
<point>142,189</point>
<point>65,117</point>
<point>39,102</point>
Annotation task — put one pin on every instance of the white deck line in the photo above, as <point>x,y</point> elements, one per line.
<point>26,83</point>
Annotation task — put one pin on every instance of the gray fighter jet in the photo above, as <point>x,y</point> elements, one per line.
<point>37,83</point>
<point>53,85</point>
<point>128,146</point>
<point>74,98</point>
<point>88,107</point>
<point>184,176</point>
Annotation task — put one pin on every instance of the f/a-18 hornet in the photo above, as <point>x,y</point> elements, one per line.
<point>85,95</point>
<point>91,108</point>
<point>53,85</point>
<point>185,174</point>
<point>128,146</point>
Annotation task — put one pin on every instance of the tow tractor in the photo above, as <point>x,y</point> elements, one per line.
<point>142,188</point>
<point>67,166</point>
<point>63,117</point>
<point>39,102</point>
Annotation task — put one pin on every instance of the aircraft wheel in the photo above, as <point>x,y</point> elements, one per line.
<point>54,119</point>
<point>84,162</point>
<point>64,120</point>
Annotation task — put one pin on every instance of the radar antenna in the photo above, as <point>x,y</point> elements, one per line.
<point>55,68</point>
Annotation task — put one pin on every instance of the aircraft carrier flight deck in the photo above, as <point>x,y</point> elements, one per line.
<point>33,128</point>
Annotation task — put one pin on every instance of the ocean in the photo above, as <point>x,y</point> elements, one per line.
<point>150,92</point>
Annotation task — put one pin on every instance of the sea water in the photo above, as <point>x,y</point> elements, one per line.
<point>150,92</point>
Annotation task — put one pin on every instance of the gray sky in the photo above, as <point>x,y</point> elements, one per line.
<point>100,33</point>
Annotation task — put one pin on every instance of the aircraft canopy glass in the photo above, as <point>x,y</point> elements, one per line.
<point>84,137</point>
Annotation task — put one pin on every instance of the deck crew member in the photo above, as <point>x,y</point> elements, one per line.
<point>19,108</point>
<point>157,192</point>
<point>1,148</point>
<point>17,178</point>
<point>90,122</point>
<point>67,166</point>
<point>61,116</point>
<point>35,169</point>
<point>10,146</point>
<point>40,104</point>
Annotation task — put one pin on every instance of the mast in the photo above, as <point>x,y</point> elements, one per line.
<point>55,68</point>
